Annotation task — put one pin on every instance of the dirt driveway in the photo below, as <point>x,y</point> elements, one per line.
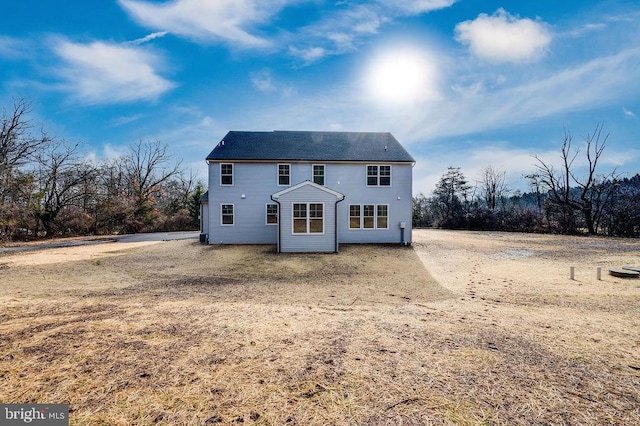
<point>491,332</point>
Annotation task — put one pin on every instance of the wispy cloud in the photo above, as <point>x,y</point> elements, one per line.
<point>230,21</point>
<point>503,37</point>
<point>344,28</point>
<point>628,113</point>
<point>100,72</point>
<point>263,81</point>
<point>13,48</point>
<point>147,38</point>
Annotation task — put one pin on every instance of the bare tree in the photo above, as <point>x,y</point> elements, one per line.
<point>493,186</point>
<point>148,168</point>
<point>62,178</point>
<point>591,194</point>
<point>17,148</point>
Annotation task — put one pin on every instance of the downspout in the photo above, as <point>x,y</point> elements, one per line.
<point>279,227</point>
<point>336,224</point>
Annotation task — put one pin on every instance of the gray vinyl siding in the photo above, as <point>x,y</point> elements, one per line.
<point>257,181</point>
<point>290,242</point>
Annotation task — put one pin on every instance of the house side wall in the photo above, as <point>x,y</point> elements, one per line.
<point>290,242</point>
<point>257,181</point>
<point>352,183</point>
<point>204,217</point>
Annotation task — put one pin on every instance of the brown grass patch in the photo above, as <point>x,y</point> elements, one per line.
<point>178,333</point>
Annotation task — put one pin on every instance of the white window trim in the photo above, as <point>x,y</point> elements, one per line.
<point>233,215</point>
<point>324,219</point>
<point>233,173</point>
<point>266,214</point>
<point>366,175</point>
<point>324,175</point>
<point>278,174</point>
<point>375,217</point>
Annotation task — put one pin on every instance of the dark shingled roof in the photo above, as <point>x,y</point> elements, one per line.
<point>310,146</point>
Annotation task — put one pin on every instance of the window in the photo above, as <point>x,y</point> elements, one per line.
<point>318,174</point>
<point>378,175</point>
<point>382,220</point>
<point>368,216</point>
<point>368,222</point>
<point>308,218</point>
<point>226,213</point>
<point>272,214</point>
<point>226,174</point>
<point>284,174</point>
<point>354,216</point>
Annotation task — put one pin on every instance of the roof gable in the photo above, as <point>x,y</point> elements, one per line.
<point>336,194</point>
<point>310,146</point>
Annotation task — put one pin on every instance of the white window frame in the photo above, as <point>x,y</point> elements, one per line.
<point>324,173</point>
<point>378,175</point>
<point>233,170</point>
<point>278,174</point>
<point>266,218</point>
<point>308,219</point>
<point>361,208</point>
<point>233,214</point>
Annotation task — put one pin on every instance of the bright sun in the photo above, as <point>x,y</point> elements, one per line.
<point>402,76</point>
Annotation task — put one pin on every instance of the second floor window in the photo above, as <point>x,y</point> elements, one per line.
<point>378,175</point>
<point>226,174</point>
<point>318,174</point>
<point>284,174</point>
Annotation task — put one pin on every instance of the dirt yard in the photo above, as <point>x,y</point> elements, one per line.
<point>464,328</point>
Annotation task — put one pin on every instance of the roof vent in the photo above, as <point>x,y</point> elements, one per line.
<point>385,147</point>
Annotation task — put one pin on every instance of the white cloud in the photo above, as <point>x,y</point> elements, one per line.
<point>13,48</point>
<point>147,38</point>
<point>503,37</point>
<point>417,6</point>
<point>310,54</point>
<point>263,81</point>
<point>628,113</point>
<point>206,20</point>
<point>346,27</point>
<point>101,72</point>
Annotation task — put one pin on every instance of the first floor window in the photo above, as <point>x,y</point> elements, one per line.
<point>227,214</point>
<point>354,216</point>
<point>368,216</point>
<point>272,214</point>
<point>308,218</point>
<point>382,220</point>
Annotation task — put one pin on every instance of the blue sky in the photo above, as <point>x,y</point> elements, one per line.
<point>459,83</point>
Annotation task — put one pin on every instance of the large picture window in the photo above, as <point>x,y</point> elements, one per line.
<point>378,175</point>
<point>226,174</point>
<point>226,214</point>
<point>368,216</point>
<point>284,174</point>
<point>308,218</point>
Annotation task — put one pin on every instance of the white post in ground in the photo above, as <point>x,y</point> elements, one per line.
<point>599,273</point>
<point>572,272</point>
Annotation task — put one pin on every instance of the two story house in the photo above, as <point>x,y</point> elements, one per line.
<point>308,191</point>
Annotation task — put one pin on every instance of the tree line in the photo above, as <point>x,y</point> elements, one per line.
<point>49,188</point>
<point>560,199</point>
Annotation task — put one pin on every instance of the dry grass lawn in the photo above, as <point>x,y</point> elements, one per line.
<point>463,328</point>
